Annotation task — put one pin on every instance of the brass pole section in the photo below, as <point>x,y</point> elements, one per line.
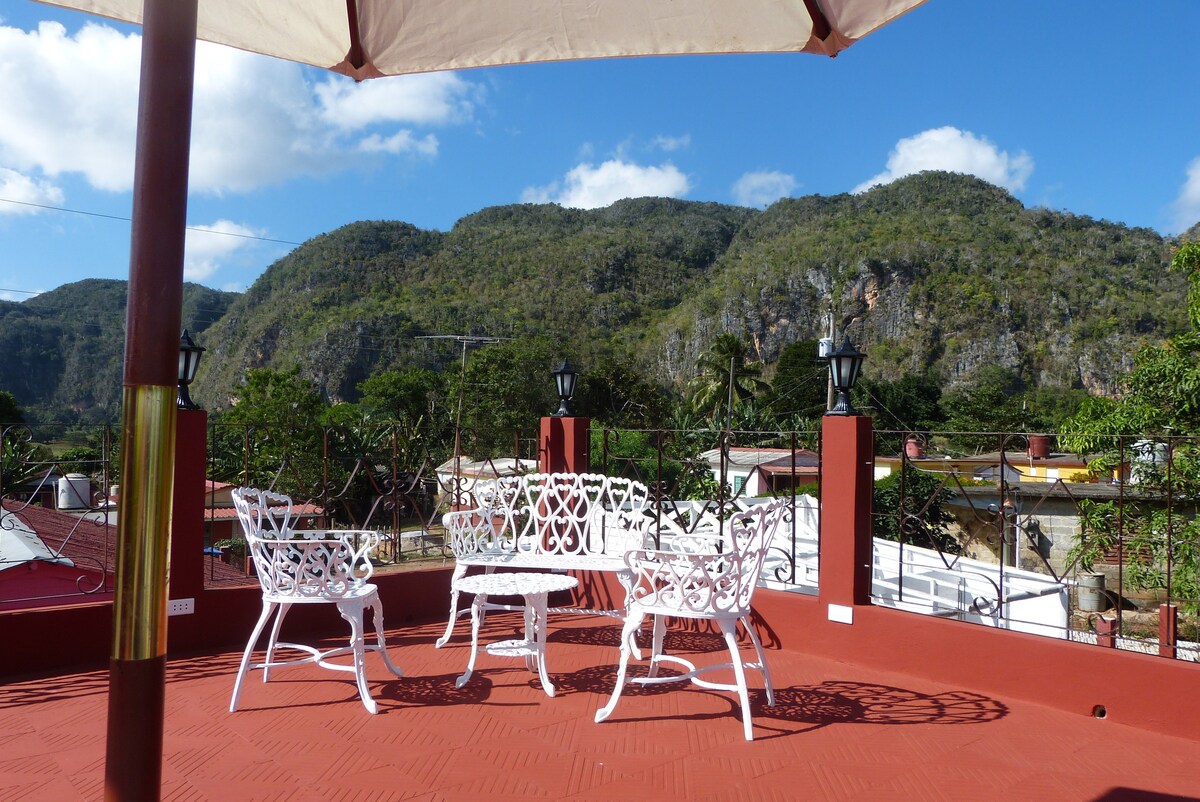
<point>137,668</point>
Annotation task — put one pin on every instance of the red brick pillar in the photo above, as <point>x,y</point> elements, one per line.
<point>847,480</point>
<point>186,580</point>
<point>563,445</point>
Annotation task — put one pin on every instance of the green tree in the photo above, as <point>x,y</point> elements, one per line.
<point>405,395</point>
<point>615,393</point>
<point>1160,396</point>
<point>922,519</point>
<point>911,404</point>
<point>10,411</point>
<point>993,402</point>
<point>506,389</point>
<point>272,436</point>
<point>723,373</point>
<point>800,383</point>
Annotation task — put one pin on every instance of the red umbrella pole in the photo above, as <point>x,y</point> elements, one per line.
<point>137,667</point>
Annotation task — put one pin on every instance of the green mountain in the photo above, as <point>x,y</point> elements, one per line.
<point>63,350</point>
<point>937,274</point>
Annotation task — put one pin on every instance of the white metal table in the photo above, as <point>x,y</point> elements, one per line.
<point>534,587</point>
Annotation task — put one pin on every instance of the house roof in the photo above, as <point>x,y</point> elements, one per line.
<point>770,460</point>
<point>88,541</point>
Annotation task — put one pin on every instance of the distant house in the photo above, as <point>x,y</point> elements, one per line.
<point>221,521</point>
<point>1017,466</point>
<point>760,471</point>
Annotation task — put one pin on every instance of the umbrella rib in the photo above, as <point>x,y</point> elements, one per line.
<point>355,56</point>
<point>820,23</point>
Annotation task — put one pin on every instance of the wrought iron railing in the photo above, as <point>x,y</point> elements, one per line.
<point>1101,547</point>
<point>1009,530</point>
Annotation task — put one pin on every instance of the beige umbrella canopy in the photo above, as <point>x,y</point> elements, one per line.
<point>363,39</point>
<point>370,38</point>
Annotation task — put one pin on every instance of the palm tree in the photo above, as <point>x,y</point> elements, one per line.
<point>724,377</point>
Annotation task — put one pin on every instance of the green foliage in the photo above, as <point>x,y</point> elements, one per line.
<point>507,388</point>
<point>407,395</point>
<point>271,437</point>
<point>911,404</point>
<point>800,383</point>
<point>10,410</point>
<point>935,275</point>
<point>64,349</point>
<point>922,517</point>
<point>615,393</point>
<point>992,403</point>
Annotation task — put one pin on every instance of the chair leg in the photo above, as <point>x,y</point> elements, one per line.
<point>729,628</point>
<point>381,643</point>
<point>460,571</point>
<point>268,608</point>
<point>628,633</point>
<point>762,660</point>
<point>284,607</point>
<point>352,611</point>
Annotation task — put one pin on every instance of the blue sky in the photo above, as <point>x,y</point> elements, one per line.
<point>1085,107</point>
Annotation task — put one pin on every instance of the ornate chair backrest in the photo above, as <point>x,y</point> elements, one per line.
<point>298,564</point>
<point>712,583</point>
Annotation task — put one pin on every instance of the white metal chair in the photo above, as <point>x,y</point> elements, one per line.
<point>308,567</point>
<point>711,586</point>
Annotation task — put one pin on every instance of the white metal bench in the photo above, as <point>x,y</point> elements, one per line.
<point>555,521</point>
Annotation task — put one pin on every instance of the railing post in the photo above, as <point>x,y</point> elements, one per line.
<point>563,445</point>
<point>847,482</point>
<point>1168,622</point>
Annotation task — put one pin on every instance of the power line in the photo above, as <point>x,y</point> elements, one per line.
<point>129,220</point>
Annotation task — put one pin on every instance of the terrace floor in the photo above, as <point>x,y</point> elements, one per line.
<point>837,732</point>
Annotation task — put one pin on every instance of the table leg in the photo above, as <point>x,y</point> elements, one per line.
<point>537,602</point>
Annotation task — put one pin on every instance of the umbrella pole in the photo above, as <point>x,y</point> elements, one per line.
<point>137,666</point>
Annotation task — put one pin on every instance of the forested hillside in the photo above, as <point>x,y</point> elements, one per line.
<point>936,275</point>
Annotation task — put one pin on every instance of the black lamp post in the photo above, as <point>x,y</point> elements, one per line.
<point>844,366</point>
<point>565,377</point>
<point>189,360</point>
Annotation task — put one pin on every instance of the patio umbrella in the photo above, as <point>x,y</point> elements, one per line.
<point>370,38</point>
<point>362,39</point>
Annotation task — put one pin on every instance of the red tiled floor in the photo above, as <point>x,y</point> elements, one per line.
<point>837,732</point>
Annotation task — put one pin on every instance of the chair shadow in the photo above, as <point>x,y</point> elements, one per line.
<point>693,639</point>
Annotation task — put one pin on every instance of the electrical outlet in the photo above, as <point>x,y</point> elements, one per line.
<point>181,606</point>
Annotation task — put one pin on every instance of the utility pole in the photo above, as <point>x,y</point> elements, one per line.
<point>833,341</point>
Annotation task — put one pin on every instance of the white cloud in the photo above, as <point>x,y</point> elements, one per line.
<point>21,189</point>
<point>589,186</point>
<point>672,143</point>
<point>761,189</point>
<point>1185,211</point>
<point>956,151</point>
<point>70,102</point>
<point>70,106</point>
<point>206,247</point>
<point>401,142</point>
<point>436,98</point>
